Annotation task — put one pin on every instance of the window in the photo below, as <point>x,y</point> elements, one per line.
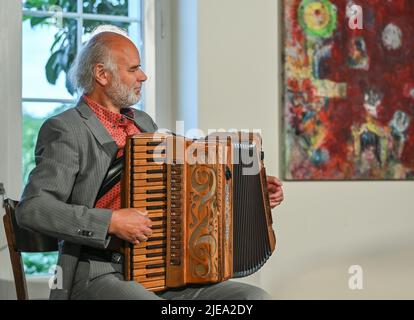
<point>53,32</point>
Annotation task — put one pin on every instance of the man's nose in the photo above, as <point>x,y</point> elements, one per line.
<point>142,76</point>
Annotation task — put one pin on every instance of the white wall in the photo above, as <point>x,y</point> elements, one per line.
<point>163,35</point>
<point>322,228</point>
<point>185,63</point>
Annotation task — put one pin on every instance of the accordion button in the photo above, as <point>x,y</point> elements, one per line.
<point>117,258</point>
<point>175,262</point>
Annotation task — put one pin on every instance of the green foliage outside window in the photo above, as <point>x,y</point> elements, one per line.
<point>39,263</point>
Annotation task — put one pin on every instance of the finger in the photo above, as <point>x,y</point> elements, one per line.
<point>278,182</point>
<point>271,189</point>
<point>274,180</point>
<point>142,238</point>
<point>271,180</point>
<point>141,212</point>
<point>276,195</point>
<point>274,204</point>
<point>278,190</point>
<point>147,232</point>
<point>276,200</point>
<point>148,222</point>
<point>136,242</point>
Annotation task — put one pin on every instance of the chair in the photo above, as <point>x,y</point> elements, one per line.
<point>21,240</point>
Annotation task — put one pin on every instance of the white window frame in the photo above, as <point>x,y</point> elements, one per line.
<point>149,55</point>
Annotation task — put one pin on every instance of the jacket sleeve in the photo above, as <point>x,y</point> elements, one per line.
<point>43,206</point>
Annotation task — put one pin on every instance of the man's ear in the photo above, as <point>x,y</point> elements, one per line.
<point>101,75</point>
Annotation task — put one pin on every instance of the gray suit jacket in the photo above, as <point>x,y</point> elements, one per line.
<point>73,154</point>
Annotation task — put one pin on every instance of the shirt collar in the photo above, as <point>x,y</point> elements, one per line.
<point>104,113</point>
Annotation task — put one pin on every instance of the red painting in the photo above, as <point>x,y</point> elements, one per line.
<point>349,89</point>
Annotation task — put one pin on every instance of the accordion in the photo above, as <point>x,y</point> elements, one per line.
<point>208,203</point>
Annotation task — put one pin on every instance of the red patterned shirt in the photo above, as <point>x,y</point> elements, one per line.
<point>119,127</point>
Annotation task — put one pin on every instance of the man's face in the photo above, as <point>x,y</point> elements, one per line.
<point>125,84</point>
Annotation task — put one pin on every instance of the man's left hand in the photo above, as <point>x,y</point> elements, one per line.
<point>274,186</point>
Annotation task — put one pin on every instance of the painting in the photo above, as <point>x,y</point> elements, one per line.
<point>348,97</point>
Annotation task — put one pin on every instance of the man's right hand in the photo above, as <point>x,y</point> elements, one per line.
<point>132,225</point>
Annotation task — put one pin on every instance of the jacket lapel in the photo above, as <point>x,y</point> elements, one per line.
<point>101,134</point>
<point>97,129</point>
<point>143,121</point>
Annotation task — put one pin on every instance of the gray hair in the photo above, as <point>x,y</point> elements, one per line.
<point>81,73</point>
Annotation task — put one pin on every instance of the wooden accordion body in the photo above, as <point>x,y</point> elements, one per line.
<point>211,221</point>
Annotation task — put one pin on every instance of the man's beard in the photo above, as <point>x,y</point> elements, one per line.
<point>121,95</point>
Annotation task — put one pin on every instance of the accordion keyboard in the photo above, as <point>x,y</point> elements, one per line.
<point>149,193</point>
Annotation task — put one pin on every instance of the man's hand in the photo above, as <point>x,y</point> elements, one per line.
<point>274,186</point>
<point>132,225</point>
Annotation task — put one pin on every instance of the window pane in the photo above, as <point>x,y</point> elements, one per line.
<point>47,5</point>
<point>34,114</point>
<point>48,51</point>
<point>109,7</point>
<point>133,29</point>
<point>39,263</point>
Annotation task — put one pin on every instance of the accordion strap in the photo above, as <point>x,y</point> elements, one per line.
<point>112,177</point>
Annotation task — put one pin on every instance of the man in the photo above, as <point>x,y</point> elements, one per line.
<point>73,154</point>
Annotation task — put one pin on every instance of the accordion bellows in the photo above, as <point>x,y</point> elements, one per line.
<point>209,207</point>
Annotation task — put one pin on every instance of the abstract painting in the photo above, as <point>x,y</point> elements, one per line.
<point>348,94</point>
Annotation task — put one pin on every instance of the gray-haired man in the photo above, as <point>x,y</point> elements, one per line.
<point>73,153</point>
